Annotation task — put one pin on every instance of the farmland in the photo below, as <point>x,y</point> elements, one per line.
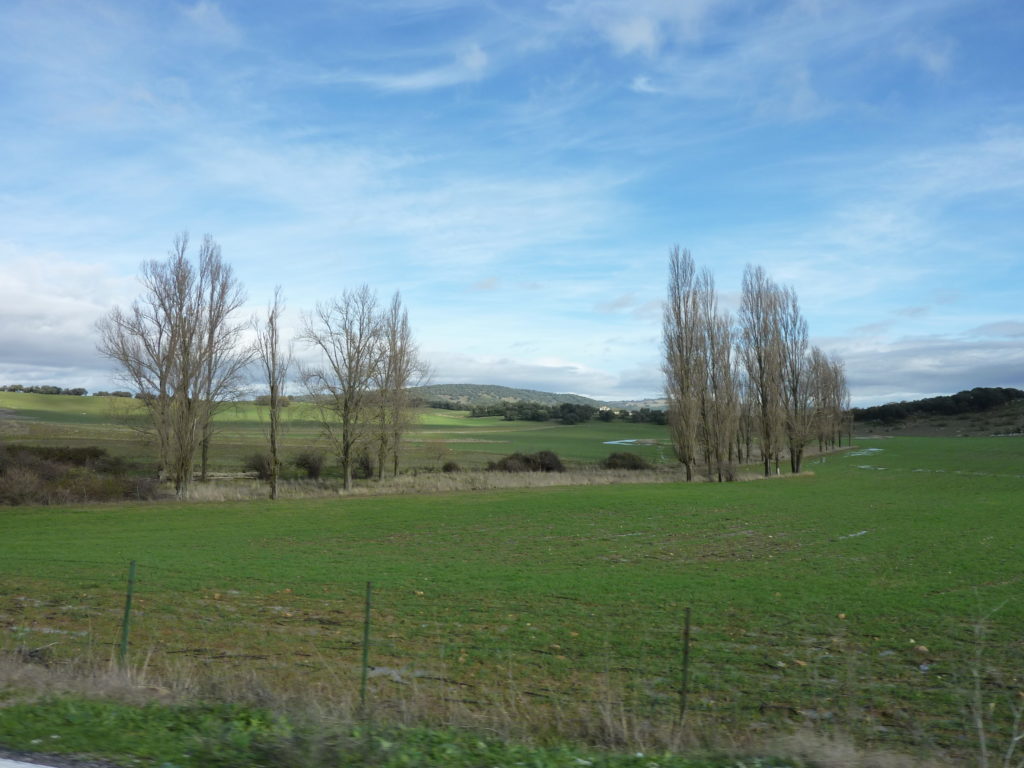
<point>862,597</point>
<point>436,436</point>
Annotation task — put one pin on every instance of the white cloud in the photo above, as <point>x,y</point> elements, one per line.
<point>645,26</point>
<point>469,66</point>
<point>935,57</point>
<point>50,307</point>
<point>917,366</point>
<point>545,374</point>
<point>208,21</point>
<point>1013,329</point>
<point>635,33</point>
<point>643,84</point>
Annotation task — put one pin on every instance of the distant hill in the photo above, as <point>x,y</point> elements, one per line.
<point>655,404</point>
<point>978,411</point>
<point>469,395</point>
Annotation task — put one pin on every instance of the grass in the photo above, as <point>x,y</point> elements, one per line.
<point>844,600</point>
<point>211,736</point>
<point>436,437</point>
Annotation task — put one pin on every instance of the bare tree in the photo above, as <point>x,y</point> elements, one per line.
<point>747,424</point>
<point>347,333</point>
<point>821,396</point>
<point>225,357</point>
<point>274,361</point>
<point>682,364</point>
<point>796,378</point>
<point>400,368</point>
<point>719,395</point>
<point>699,381</point>
<point>842,404</point>
<point>761,352</point>
<point>175,345</point>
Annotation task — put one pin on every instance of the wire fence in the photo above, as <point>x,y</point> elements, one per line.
<point>389,648</point>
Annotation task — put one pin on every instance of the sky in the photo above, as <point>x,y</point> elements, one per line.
<point>519,172</point>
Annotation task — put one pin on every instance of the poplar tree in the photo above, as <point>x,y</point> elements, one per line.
<point>274,360</point>
<point>761,353</point>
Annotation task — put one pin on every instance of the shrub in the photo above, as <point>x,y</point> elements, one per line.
<point>20,485</point>
<point>516,462</point>
<point>112,465</point>
<point>81,484</point>
<point>60,475</point>
<point>625,460</point>
<point>543,461</point>
<point>312,463</point>
<point>79,456</point>
<point>262,464</point>
<point>450,466</point>
<point>549,462</point>
<point>362,466</point>
<point>142,488</point>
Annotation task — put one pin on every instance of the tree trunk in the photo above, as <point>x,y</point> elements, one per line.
<point>204,458</point>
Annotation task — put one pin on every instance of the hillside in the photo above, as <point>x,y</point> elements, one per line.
<point>975,412</point>
<point>655,404</point>
<point>489,394</point>
<point>470,395</point>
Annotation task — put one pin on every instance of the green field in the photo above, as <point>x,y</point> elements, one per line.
<point>437,436</point>
<point>848,599</point>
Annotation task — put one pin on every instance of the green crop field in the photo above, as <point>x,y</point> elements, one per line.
<point>864,597</point>
<point>435,437</point>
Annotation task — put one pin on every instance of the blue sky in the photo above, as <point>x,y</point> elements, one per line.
<point>520,170</point>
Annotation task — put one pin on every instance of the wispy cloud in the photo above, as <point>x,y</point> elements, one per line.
<point>645,26</point>
<point>209,22</point>
<point>529,164</point>
<point>789,60</point>
<point>1012,329</point>
<point>487,284</point>
<point>468,66</point>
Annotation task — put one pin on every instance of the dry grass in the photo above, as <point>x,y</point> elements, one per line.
<point>605,723</point>
<point>423,482</point>
<point>429,482</point>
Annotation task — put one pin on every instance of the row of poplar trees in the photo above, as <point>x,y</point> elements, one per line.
<point>736,383</point>
<point>185,348</point>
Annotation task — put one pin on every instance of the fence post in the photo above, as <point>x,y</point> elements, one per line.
<point>366,647</point>
<point>685,680</point>
<point>126,622</point>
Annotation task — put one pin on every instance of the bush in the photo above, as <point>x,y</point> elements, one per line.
<point>549,462</point>
<point>362,466</point>
<point>21,485</point>
<point>312,463</point>
<point>543,461</point>
<point>79,456</point>
<point>27,479</point>
<point>625,461</point>
<point>262,464</point>
<point>450,466</point>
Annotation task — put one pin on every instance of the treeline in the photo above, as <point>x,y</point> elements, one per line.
<point>732,383</point>
<point>566,413</point>
<point>45,389</point>
<point>974,400</point>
